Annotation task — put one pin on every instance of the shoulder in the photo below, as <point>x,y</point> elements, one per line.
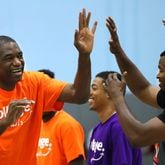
<point>161,98</point>
<point>67,120</point>
<point>41,78</point>
<point>32,75</point>
<point>116,129</point>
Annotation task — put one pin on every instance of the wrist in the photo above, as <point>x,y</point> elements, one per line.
<point>118,99</point>
<point>4,123</point>
<point>84,57</point>
<point>84,54</point>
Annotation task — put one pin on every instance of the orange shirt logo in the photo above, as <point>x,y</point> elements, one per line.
<point>44,147</point>
<point>22,119</point>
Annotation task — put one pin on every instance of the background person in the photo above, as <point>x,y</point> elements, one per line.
<point>108,143</point>
<point>61,139</point>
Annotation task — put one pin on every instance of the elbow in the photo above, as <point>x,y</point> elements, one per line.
<point>82,100</point>
<point>137,140</point>
<point>133,139</point>
<point>134,142</point>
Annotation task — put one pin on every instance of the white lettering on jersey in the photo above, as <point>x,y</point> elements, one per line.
<point>44,147</point>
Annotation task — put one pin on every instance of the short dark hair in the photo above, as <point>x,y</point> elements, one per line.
<point>162,54</point>
<point>48,72</point>
<point>5,39</point>
<point>104,76</point>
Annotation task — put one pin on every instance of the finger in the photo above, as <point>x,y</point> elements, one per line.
<point>80,21</point>
<point>110,22</point>
<point>88,19</point>
<point>23,102</point>
<point>112,30</point>
<point>76,35</point>
<point>123,79</point>
<point>26,102</point>
<point>111,25</point>
<point>123,84</point>
<point>20,108</point>
<point>109,79</point>
<point>19,112</point>
<point>114,77</point>
<point>84,18</point>
<point>94,27</point>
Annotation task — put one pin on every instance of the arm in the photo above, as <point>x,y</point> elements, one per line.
<point>139,134</point>
<point>77,161</point>
<point>3,126</point>
<point>143,89</point>
<point>78,92</point>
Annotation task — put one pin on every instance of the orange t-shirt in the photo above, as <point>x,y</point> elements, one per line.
<point>61,140</point>
<point>18,143</point>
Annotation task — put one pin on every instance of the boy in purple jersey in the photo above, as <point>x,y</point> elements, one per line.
<point>108,143</point>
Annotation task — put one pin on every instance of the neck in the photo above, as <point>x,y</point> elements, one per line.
<point>7,86</point>
<point>106,113</point>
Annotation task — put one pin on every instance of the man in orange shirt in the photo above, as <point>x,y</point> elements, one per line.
<point>25,95</point>
<point>61,138</point>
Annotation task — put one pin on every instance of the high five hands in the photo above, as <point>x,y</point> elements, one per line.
<point>84,37</point>
<point>114,86</point>
<point>114,42</point>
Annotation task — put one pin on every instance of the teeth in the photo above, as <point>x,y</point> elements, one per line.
<point>16,70</point>
<point>90,100</point>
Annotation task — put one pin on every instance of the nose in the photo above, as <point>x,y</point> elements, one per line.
<point>91,92</point>
<point>158,75</point>
<point>16,61</point>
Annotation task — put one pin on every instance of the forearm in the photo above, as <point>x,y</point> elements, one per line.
<point>125,64</point>
<point>3,126</point>
<point>132,127</point>
<point>83,78</point>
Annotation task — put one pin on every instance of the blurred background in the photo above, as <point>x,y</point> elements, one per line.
<point>45,32</point>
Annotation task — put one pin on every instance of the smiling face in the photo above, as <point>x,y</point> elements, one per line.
<point>161,73</point>
<point>11,64</point>
<point>98,96</point>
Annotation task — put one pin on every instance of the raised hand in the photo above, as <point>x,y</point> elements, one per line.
<point>84,37</point>
<point>114,40</point>
<point>114,86</point>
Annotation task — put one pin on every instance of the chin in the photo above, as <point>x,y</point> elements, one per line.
<point>91,108</point>
<point>162,87</point>
<point>18,79</point>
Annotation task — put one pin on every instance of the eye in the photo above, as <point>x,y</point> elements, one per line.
<point>7,58</point>
<point>94,87</point>
<point>20,55</point>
